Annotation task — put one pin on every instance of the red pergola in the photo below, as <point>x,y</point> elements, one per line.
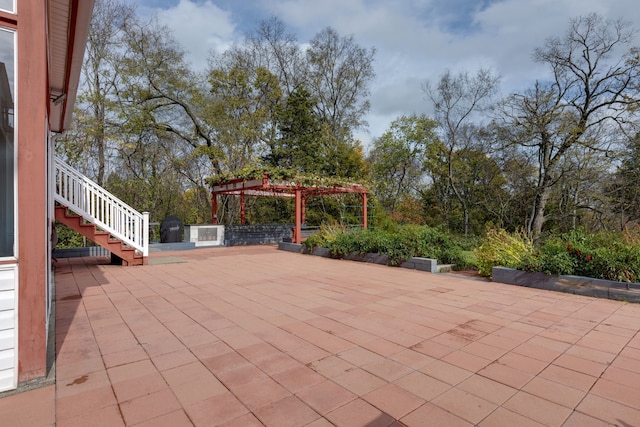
<point>265,187</point>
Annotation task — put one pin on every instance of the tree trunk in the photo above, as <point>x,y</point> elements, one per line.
<point>465,210</point>
<point>539,217</point>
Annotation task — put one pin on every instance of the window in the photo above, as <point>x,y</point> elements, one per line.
<point>8,5</point>
<point>7,142</point>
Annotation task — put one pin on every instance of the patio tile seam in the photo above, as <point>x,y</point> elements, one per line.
<point>544,304</point>
<point>113,393</point>
<point>157,368</point>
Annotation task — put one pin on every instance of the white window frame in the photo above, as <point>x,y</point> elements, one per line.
<point>14,257</point>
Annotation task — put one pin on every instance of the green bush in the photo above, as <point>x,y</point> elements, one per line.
<point>67,238</point>
<point>500,248</point>
<point>326,234</point>
<point>553,258</point>
<point>399,244</point>
<point>598,255</point>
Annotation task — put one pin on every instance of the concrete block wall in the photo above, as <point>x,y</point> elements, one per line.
<point>256,234</point>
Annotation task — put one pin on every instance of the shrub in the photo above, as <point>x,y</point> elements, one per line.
<point>399,244</point>
<point>631,235</point>
<point>67,238</point>
<point>599,255</point>
<point>553,258</point>
<point>499,248</point>
<point>326,234</point>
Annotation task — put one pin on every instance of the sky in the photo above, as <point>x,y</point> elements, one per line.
<point>415,40</point>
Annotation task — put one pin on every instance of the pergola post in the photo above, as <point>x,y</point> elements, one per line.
<point>298,232</point>
<point>242,208</point>
<point>214,208</point>
<point>364,210</point>
<point>303,207</point>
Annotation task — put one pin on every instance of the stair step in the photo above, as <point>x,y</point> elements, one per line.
<point>66,212</point>
<point>128,254</point>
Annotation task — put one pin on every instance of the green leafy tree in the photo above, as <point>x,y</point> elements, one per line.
<point>162,135</point>
<point>299,144</point>
<point>241,109</point>
<point>400,157</point>
<point>481,184</point>
<point>91,141</point>
<point>340,72</point>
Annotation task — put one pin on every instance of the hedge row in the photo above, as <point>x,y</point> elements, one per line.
<point>601,255</point>
<point>399,245</point>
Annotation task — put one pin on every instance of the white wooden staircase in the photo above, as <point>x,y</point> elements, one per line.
<point>98,215</point>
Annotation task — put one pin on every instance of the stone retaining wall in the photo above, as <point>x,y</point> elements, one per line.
<point>416,263</point>
<point>571,284</point>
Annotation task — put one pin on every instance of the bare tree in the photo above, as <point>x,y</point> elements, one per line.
<point>457,100</point>
<point>593,76</point>
<point>340,72</point>
<point>271,47</point>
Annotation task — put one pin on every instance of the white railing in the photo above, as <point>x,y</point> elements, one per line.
<point>98,206</point>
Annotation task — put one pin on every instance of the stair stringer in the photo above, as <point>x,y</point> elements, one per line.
<point>114,245</point>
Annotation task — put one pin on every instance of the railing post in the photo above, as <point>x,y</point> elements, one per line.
<point>145,234</point>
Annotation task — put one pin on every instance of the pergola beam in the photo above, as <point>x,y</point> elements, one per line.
<point>265,188</point>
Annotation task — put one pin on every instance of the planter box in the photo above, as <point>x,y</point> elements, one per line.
<point>571,284</point>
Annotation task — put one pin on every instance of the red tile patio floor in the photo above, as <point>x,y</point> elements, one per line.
<point>248,336</point>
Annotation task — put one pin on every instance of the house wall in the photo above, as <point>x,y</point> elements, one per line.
<point>45,57</point>
<point>8,332</point>
<point>32,237</point>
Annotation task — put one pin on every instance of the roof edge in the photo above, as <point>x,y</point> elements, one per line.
<point>80,19</point>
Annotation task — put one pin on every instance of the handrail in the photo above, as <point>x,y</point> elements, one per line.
<point>96,205</point>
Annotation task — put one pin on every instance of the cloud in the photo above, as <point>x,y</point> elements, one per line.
<point>200,28</point>
<point>415,40</point>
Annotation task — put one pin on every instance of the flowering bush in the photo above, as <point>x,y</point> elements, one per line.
<point>600,255</point>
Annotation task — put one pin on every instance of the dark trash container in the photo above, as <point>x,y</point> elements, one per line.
<point>171,230</point>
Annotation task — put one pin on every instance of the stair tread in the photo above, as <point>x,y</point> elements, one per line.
<point>130,255</point>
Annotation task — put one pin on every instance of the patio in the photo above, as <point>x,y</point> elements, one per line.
<point>246,336</point>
